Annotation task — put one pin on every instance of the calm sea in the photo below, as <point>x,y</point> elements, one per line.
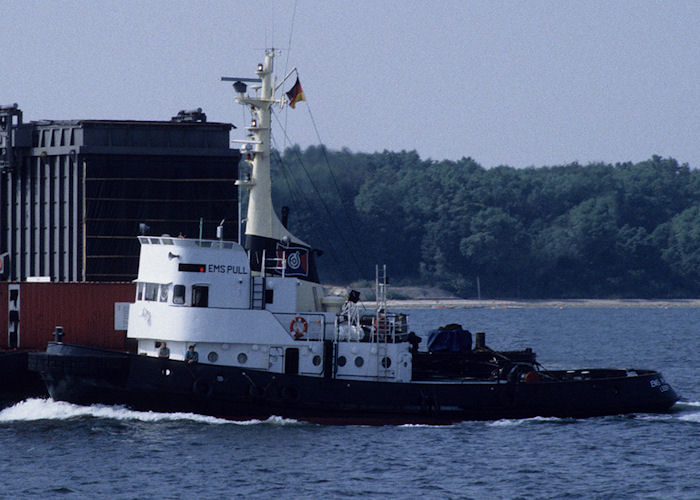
<point>57,450</point>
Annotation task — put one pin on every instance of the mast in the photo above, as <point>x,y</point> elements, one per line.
<point>264,231</point>
<point>261,218</point>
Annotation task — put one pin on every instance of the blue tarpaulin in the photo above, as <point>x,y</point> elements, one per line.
<point>450,338</point>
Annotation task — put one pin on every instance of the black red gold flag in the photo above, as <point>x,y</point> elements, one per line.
<point>296,94</point>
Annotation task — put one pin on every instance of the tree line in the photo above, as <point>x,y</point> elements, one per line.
<point>598,230</point>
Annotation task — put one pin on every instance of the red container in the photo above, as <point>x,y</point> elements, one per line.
<point>86,311</point>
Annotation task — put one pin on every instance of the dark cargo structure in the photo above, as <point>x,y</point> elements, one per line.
<point>74,194</point>
<point>92,314</point>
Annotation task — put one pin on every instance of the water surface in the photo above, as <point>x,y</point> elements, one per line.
<point>57,450</point>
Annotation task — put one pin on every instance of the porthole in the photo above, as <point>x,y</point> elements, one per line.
<point>242,358</point>
<point>317,360</point>
<point>359,361</point>
<point>342,360</point>
<point>212,357</point>
<point>386,362</point>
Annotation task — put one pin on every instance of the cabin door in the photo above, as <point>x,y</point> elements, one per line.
<point>291,361</point>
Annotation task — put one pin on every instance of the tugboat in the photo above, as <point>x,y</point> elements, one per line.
<point>245,332</point>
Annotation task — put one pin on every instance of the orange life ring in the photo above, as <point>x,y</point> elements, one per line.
<point>298,327</point>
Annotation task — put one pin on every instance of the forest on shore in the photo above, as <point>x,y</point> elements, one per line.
<point>628,230</point>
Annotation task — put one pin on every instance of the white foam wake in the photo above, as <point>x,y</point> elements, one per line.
<point>507,422</point>
<point>48,409</point>
<point>689,411</point>
<point>685,411</point>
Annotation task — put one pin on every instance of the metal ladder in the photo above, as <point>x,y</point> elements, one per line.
<point>257,292</point>
<point>257,286</point>
<point>384,323</point>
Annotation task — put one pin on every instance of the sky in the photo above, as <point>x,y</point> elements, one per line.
<point>518,83</point>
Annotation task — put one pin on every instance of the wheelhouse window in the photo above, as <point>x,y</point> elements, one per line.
<point>151,292</point>
<point>179,294</point>
<point>164,289</point>
<point>200,296</point>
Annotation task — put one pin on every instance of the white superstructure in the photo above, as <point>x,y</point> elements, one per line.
<point>268,315</point>
<point>202,293</point>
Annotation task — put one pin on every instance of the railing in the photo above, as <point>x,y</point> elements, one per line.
<point>348,325</point>
<point>380,327</point>
<point>182,242</point>
<point>279,264</point>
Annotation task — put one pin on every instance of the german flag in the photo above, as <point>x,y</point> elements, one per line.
<point>296,94</point>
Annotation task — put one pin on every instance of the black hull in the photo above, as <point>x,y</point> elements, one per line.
<point>87,376</point>
<point>16,381</point>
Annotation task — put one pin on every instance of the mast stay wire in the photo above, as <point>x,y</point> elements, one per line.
<point>293,186</point>
<point>291,31</point>
<point>325,156</point>
<point>286,174</point>
<point>286,62</point>
<point>320,198</point>
<point>335,181</point>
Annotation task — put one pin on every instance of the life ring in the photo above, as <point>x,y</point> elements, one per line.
<point>298,327</point>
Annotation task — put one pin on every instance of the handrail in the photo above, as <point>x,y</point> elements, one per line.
<point>280,263</point>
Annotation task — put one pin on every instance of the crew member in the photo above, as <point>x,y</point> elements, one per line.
<point>163,352</point>
<point>191,356</point>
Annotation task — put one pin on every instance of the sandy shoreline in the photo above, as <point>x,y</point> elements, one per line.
<point>495,304</point>
<point>435,298</point>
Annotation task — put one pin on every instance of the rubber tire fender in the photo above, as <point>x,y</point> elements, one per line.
<point>203,386</point>
<point>290,394</point>
<point>256,392</point>
<point>517,371</point>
